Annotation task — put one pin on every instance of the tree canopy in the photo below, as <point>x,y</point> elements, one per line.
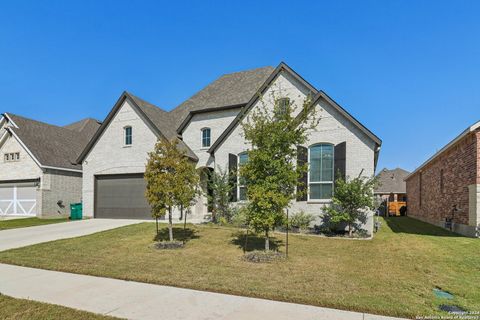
<point>271,174</point>
<point>172,180</point>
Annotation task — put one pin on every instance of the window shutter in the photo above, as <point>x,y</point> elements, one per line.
<point>302,185</point>
<point>340,156</point>
<point>232,169</point>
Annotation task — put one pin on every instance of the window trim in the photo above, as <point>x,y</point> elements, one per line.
<point>125,144</point>
<point>328,200</point>
<point>238,177</point>
<point>209,137</point>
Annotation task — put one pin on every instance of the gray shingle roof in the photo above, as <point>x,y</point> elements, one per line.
<point>392,181</point>
<point>162,121</point>
<point>87,126</point>
<point>51,145</point>
<point>228,90</point>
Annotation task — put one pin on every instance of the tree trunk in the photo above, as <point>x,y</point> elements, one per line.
<point>267,241</point>
<point>185,228</point>
<point>214,216</point>
<point>350,231</point>
<point>170,224</point>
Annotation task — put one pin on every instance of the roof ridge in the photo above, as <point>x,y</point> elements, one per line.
<point>145,101</point>
<point>248,70</point>
<point>83,123</point>
<point>36,121</point>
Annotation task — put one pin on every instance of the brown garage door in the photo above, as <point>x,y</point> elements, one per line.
<point>121,197</point>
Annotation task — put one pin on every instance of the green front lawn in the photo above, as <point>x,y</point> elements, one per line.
<point>28,222</point>
<point>393,274</point>
<point>20,309</point>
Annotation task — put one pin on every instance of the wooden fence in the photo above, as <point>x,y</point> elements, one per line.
<point>394,207</point>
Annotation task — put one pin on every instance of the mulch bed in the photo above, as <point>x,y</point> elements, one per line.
<point>263,256</point>
<point>167,245</point>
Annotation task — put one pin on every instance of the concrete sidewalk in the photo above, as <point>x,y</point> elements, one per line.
<point>21,237</point>
<point>134,300</point>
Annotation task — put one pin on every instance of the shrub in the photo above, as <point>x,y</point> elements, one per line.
<point>301,220</point>
<point>239,217</point>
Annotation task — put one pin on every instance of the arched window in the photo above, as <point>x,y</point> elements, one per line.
<point>242,188</point>
<point>206,137</point>
<point>321,175</point>
<point>128,135</point>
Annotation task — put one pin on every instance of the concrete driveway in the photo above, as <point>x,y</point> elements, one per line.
<point>21,237</point>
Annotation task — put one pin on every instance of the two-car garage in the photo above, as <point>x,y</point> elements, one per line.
<point>121,196</point>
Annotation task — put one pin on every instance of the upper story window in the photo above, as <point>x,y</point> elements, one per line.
<point>206,137</point>
<point>282,105</point>
<point>242,188</point>
<point>128,136</point>
<point>12,156</point>
<point>321,175</point>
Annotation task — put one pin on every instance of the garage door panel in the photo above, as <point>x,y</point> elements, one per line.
<point>121,196</point>
<point>18,198</point>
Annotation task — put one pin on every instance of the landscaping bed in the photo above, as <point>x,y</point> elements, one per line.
<point>392,274</point>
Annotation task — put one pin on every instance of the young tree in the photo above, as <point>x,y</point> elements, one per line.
<point>220,194</point>
<point>172,180</point>
<point>351,201</point>
<point>270,174</point>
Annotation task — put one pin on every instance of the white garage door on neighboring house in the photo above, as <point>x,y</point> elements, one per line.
<point>18,199</point>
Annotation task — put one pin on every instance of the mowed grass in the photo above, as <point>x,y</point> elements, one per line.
<point>28,222</point>
<point>20,309</point>
<point>393,274</point>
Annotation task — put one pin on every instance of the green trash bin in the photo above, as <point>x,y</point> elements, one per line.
<point>76,211</point>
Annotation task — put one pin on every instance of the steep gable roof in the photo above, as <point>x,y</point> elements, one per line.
<point>50,145</point>
<point>392,181</point>
<point>230,90</point>
<point>158,119</point>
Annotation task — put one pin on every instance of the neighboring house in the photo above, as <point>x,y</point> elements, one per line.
<point>208,125</point>
<point>445,190</point>
<point>38,172</point>
<point>391,188</point>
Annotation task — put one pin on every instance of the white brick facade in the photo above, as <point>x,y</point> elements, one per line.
<point>217,122</point>
<point>24,169</point>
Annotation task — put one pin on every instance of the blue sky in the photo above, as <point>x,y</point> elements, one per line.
<point>408,70</point>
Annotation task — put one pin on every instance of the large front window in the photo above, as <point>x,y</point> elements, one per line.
<point>242,188</point>
<point>321,173</point>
